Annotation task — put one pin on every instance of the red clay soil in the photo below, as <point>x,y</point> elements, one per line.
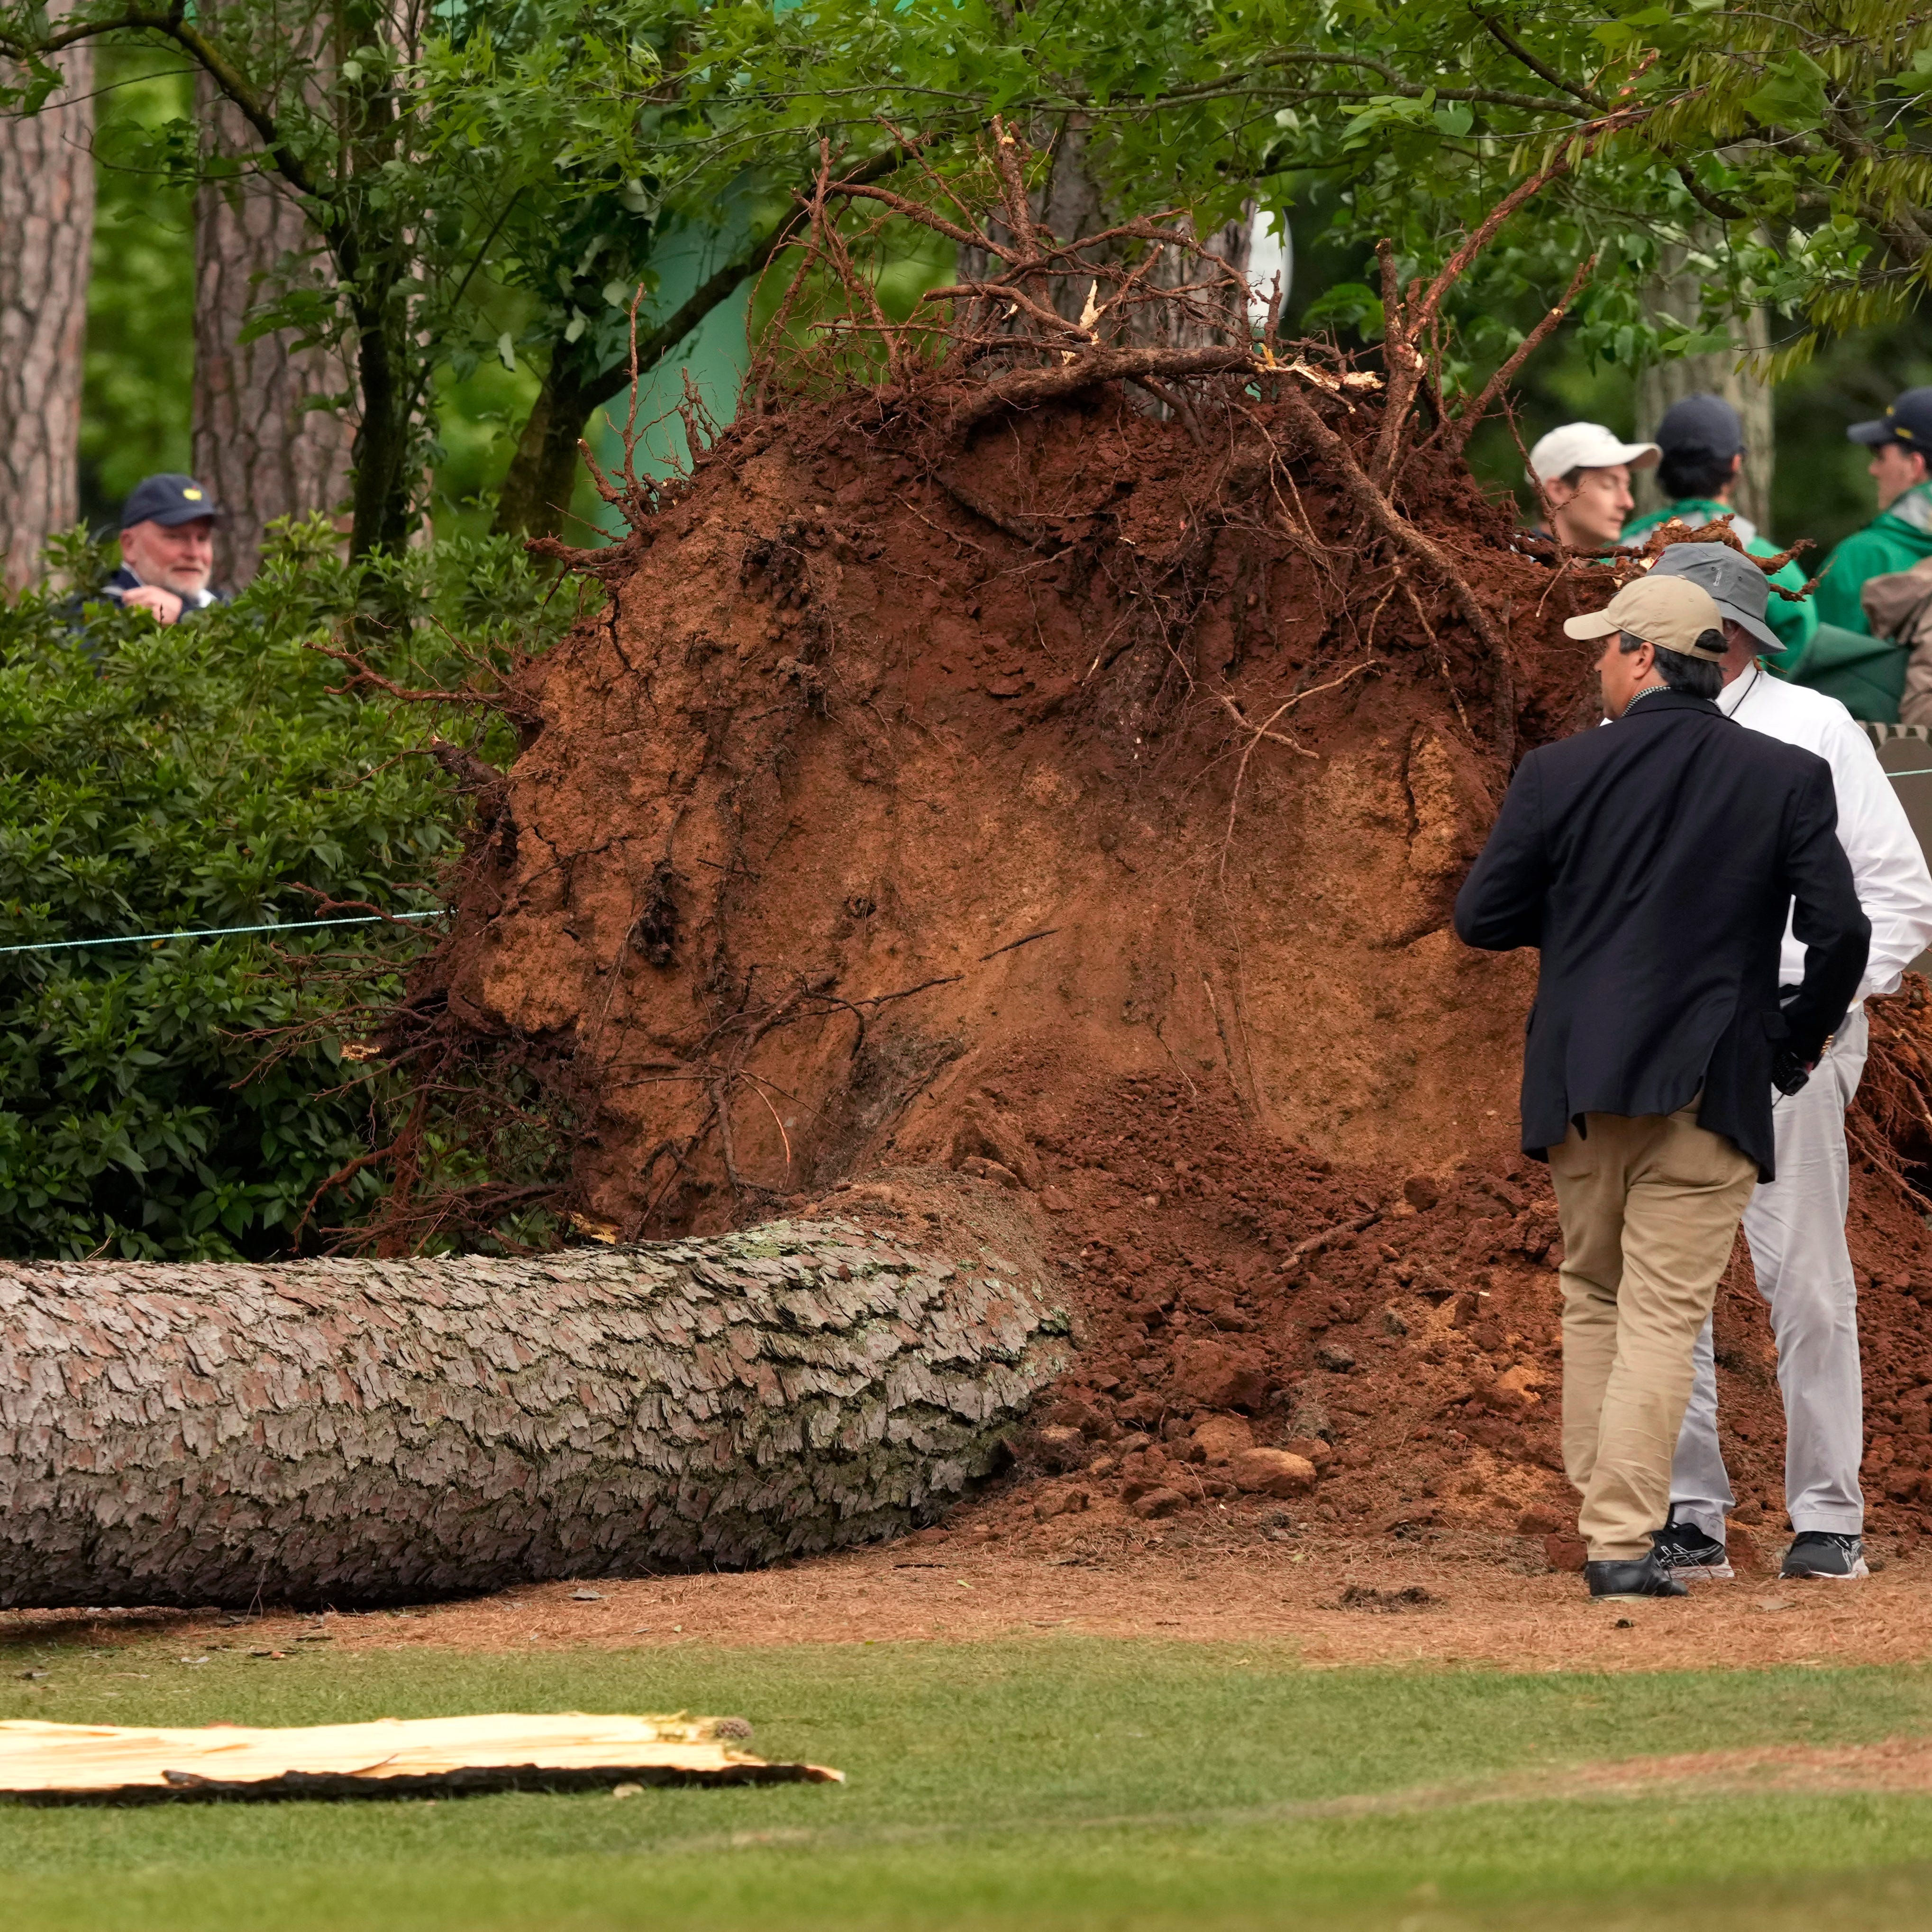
<point>1333,1596</point>
<point>905,805</point>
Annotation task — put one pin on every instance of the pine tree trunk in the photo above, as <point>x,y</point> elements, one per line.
<point>261,452</point>
<point>353,1431</point>
<point>1071,203</point>
<point>47,240</point>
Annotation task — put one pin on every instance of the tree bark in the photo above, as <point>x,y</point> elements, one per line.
<point>340,1431</point>
<point>47,241</point>
<point>1677,293</point>
<point>261,452</point>
<point>537,489</point>
<point>1070,203</point>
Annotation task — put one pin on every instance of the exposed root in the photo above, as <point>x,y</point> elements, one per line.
<point>1890,1123</point>
<point>1256,733</point>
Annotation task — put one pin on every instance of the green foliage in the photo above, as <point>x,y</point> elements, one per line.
<point>433,154</point>
<point>188,1098</point>
<point>140,295</point>
<point>547,151</point>
<point>1781,153</point>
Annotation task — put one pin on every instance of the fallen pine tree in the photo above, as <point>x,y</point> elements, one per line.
<point>364,1431</point>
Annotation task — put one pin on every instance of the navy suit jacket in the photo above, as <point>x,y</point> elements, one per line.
<point>1654,862</point>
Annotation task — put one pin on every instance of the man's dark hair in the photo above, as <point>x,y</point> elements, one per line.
<point>1696,677</point>
<point>1691,470</point>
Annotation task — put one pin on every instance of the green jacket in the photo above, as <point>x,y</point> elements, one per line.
<point>1794,623</point>
<point>1866,674</point>
<point>1895,540</point>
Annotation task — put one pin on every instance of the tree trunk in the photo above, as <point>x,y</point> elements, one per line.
<point>383,516</point>
<point>341,1431</point>
<point>377,261</point>
<point>263,454</point>
<point>1070,203</point>
<point>47,240</point>
<point>1677,295</point>
<point>542,476</point>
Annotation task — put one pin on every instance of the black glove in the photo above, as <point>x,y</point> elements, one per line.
<point>1788,1071</point>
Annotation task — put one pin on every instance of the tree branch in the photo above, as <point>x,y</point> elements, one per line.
<point>1515,48</point>
<point>716,287</point>
<point>175,26</point>
<point>1456,434</point>
<point>1712,204</point>
<point>1394,82</point>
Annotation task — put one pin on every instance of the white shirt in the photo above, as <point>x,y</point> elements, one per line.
<point>1895,886</point>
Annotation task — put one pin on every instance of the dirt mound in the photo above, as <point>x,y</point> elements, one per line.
<point>879,767</point>
<point>1062,771</point>
<point>1400,1329</point>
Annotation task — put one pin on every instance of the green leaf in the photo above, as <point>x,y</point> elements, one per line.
<point>1792,95</point>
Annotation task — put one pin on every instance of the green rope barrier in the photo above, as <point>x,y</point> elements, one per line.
<point>218,931</point>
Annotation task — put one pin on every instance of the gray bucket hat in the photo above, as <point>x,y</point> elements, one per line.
<point>1735,583</point>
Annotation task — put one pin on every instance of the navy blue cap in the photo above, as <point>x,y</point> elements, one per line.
<point>168,500</point>
<point>1702,422</point>
<point>1908,421</point>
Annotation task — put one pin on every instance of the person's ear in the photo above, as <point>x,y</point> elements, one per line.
<point>1738,464</point>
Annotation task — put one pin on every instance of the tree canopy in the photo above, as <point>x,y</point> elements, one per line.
<point>551,146</point>
<point>1783,147</point>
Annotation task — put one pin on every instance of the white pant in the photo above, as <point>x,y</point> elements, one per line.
<point>1795,1226</point>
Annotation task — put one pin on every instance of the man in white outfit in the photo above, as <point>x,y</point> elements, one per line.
<point>1796,1225</point>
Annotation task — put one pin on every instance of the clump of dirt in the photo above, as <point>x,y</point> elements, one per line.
<point>1058,764</point>
<point>1244,1303</point>
<point>1403,1330</point>
<point>1385,1602</point>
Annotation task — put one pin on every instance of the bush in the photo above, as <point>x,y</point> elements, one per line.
<point>186,1098</point>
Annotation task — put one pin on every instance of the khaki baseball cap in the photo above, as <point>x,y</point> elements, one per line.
<point>1670,612</point>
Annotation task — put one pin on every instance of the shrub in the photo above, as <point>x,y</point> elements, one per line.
<point>186,1098</point>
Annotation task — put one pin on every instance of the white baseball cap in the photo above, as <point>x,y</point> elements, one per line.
<point>1586,445</point>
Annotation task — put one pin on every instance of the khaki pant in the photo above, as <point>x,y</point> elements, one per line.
<point>1650,1206</point>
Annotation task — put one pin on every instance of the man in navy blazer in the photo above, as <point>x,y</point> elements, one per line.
<point>1654,863</point>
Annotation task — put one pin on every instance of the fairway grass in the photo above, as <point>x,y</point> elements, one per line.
<point>1066,1783</point>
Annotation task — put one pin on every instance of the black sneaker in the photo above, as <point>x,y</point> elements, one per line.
<point>1688,1554</point>
<point>1824,1552</point>
<point>1643,1576</point>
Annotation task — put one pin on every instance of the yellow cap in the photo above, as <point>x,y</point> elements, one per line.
<point>1670,612</point>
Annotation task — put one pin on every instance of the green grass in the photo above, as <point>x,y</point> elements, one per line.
<point>1061,1784</point>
